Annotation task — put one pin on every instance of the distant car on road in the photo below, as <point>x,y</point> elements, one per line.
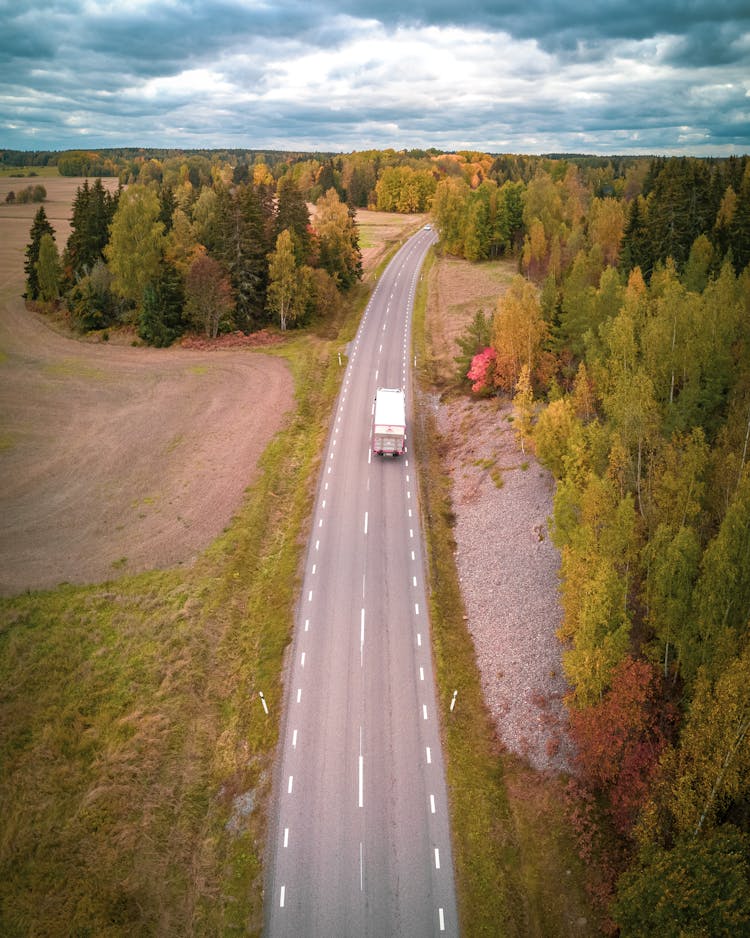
<point>428,227</point>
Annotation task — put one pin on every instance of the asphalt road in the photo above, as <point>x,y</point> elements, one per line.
<point>361,832</point>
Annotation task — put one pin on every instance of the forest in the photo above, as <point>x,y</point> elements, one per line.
<point>213,256</point>
<point>624,344</point>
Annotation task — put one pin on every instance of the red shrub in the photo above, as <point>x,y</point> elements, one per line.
<point>621,738</point>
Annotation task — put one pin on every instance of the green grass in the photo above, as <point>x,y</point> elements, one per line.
<point>130,722</point>
<point>497,477</point>
<point>516,869</point>
<point>366,236</point>
<point>24,171</point>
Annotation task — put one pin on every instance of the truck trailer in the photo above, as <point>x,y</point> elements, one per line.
<point>389,422</point>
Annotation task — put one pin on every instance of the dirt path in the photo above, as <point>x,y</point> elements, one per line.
<point>116,459</point>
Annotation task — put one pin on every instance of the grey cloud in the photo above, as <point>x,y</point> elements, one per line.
<point>60,60</point>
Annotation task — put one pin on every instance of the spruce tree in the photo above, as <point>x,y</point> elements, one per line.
<point>292,214</point>
<point>39,229</point>
<point>168,203</point>
<point>161,320</point>
<point>238,241</point>
<point>740,228</point>
<point>93,211</point>
<point>636,247</point>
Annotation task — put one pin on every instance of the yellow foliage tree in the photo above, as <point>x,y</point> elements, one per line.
<point>519,332</point>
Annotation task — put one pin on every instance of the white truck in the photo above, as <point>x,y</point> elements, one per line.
<point>389,422</point>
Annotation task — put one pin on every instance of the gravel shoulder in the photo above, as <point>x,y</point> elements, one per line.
<point>507,564</point>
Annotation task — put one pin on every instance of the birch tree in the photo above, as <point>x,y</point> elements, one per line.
<point>283,280</point>
<point>136,243</point>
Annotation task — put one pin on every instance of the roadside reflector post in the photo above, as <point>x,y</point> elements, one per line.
<point>265,705</point>
<point>453,700</point>
<point>339,359</point>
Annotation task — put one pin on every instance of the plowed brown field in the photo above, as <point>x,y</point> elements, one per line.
<point>115,458</point>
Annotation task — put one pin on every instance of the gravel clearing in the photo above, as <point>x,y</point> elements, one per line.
<point>509,578</point>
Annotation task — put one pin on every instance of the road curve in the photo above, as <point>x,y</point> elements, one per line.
<point>361,838</point>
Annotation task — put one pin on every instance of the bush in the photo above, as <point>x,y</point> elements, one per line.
<point>35,193</point>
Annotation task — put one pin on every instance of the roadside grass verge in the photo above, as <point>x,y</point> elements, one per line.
<point>517,873</point>
<point>137,758</point>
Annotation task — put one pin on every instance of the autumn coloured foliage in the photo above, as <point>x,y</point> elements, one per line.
<point>481,371</point>
<point>621,737</point>
<point>633,324</point>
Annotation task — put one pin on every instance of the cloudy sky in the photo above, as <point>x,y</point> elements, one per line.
<point>524,76</point>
